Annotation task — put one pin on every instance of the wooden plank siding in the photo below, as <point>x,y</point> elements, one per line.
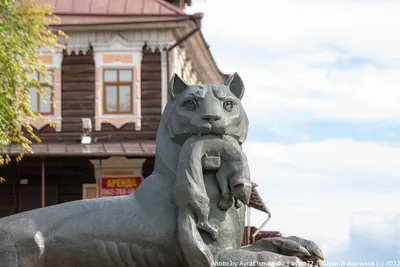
<point>78,101</point>
<point>65,174</point>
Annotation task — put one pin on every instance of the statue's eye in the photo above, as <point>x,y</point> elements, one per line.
<point>229,105</point>
<point>190,105</point>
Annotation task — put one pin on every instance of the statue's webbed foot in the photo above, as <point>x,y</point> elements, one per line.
<point>206,226</point>
<point>225,201</point>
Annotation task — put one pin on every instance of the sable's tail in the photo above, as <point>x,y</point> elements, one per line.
<point>195,252</point>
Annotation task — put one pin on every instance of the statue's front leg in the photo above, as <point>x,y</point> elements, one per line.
<point>303,249</point>
<point>278,251</point>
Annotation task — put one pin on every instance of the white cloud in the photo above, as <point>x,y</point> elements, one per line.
<point>364,26</point>
<point>383,229</point>
<point>289,89</point>
<point>373,236</point>
<point>314,189</point>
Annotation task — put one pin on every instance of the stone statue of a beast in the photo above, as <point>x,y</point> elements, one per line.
<point>143,229</point>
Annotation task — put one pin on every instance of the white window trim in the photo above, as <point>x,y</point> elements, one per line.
<point>55,65</point>
<point>164,79</point>
<point>118,54</point>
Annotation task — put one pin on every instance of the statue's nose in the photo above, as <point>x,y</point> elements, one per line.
<point>211,118</point>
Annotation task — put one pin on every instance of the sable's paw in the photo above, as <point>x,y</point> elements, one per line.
<point>223,205</point>
<point>225,202</point>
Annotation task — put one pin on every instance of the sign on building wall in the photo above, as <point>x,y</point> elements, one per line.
<point>118,186</point>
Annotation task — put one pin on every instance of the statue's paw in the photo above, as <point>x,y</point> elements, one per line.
<point>206,226</point>
<point>316,254</point>
<point>282,246</point>
<point>225,202</point>
<point>303,249</point>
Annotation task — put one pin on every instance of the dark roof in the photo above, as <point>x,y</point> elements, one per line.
<point>133,149</point>
<point>78,12</point>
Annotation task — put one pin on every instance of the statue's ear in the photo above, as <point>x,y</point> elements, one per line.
<point>236,85</point>
<point>176,86</point>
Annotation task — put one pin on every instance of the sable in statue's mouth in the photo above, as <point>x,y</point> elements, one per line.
<point>211,162</point>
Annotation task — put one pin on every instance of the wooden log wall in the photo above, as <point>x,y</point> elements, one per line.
<point>78,101</point>
<point>151,92</point>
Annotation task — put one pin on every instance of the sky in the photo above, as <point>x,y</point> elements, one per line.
<point>323,99</point>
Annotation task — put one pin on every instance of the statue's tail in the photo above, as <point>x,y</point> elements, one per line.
<point>195,252</point>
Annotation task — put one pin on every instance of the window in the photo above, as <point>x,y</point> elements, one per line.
<point>118,91</point>
<point>42,103</point>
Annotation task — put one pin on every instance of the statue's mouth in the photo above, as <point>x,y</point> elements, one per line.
<point>211,161</point>
<point>207,134</point>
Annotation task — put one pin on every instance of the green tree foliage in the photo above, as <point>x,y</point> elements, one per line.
<point>24,31</point>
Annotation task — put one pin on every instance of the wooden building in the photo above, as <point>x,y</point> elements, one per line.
<point>110,88</point>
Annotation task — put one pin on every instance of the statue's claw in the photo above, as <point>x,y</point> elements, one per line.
<point>304,251</point>
<point>315,252</point>
<point>288,247</point>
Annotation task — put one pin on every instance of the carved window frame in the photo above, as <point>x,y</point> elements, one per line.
<point>39,97</point>
<point>53,62</point>
<point>118,54</point>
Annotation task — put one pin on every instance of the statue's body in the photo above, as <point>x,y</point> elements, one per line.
<point>143,229</point>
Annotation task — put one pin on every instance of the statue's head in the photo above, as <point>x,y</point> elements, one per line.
<point>199,109</point>
<point>206,109</point>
